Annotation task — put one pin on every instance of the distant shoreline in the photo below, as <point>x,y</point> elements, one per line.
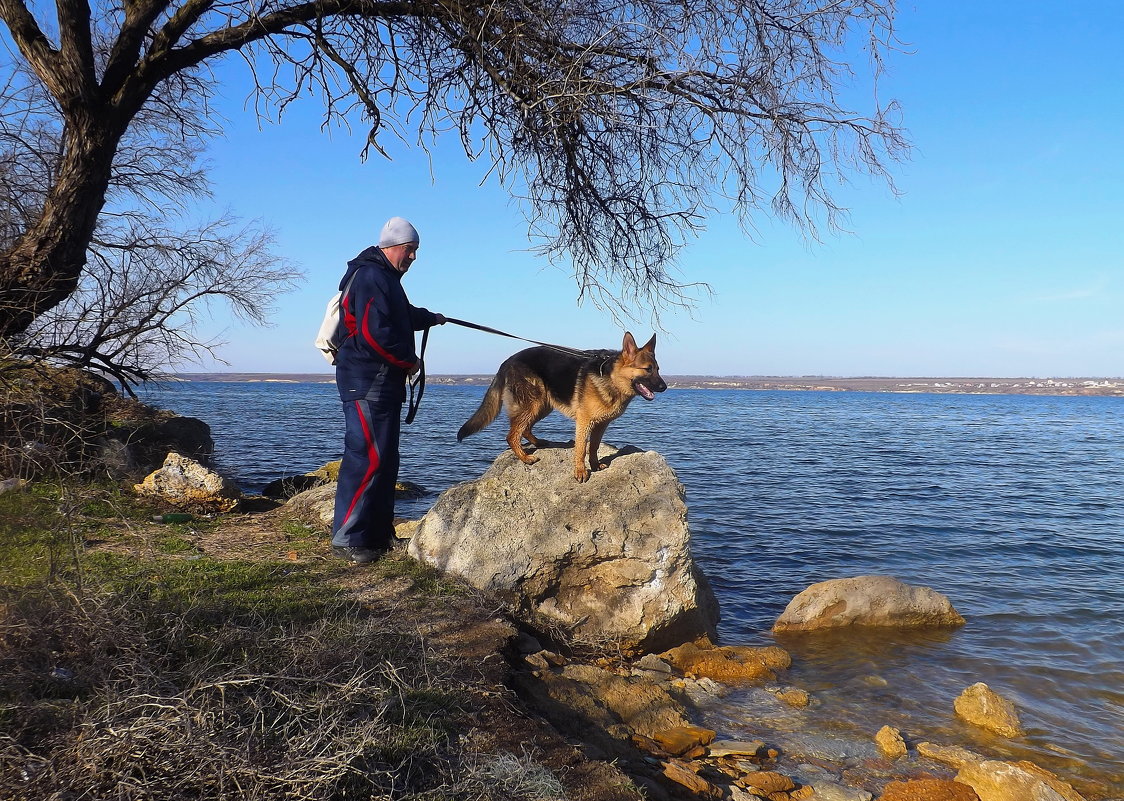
<point>961,386</point>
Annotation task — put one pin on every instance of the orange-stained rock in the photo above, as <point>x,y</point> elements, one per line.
<point>928,790</point>
<point>767,781</point>
<point>678,740</point>
<point>981,706</point>
<point>890,743</point>
<point>994,780</point>
<point>728,663</point>
<point>685,777</point>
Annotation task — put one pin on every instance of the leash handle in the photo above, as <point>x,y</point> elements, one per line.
<point>417,380</point>
<point>478,327</point>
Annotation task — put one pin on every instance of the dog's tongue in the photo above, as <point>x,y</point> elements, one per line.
<point>643,390</point>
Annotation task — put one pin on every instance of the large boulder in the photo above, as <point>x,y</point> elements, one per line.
<point>866,601</point>
<point>606,561</point>
<point>184,482</point>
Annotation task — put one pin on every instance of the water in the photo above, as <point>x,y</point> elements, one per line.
<point>1009,504</point>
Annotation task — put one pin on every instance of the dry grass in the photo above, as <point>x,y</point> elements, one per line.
<point>133,669</point>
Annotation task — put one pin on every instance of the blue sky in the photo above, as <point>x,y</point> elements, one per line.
<point>1001,257</point>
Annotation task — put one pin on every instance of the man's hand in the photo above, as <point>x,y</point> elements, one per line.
<point>440,319</point>
<point>414,370</point>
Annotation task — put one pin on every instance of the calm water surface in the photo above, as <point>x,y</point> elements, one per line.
<point>1010,505</point>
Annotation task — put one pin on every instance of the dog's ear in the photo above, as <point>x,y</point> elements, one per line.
<point>650,345</point>
<point>629,348</point>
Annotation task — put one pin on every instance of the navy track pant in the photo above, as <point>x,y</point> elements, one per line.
<point>364,515</point>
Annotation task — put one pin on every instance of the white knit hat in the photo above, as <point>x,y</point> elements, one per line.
<point>397,231</point>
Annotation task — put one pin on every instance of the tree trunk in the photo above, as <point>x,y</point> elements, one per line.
<point>43,266</point>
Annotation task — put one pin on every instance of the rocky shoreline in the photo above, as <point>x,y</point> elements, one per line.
<point>630,674</point>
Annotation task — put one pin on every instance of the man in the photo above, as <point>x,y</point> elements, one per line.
<point>374,360</point>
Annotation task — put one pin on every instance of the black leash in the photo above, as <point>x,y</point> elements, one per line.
<point>560,348</point>
<point>417,380</point>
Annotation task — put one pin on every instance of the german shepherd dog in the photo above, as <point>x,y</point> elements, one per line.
<point>592,389</point>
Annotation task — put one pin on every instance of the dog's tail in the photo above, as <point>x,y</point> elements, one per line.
<point>489,409</point>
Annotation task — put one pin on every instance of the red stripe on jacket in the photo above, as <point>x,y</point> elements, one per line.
<point>378,348</point>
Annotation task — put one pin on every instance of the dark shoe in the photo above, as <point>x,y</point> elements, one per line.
<point>358,555</point>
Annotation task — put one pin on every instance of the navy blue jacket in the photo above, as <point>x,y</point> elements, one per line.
<point>377,327</point>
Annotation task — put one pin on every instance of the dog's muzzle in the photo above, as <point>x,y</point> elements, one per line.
<point>647,392</point>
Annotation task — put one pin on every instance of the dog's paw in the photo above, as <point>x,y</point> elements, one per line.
<point>581,474</point>
<point>528,459</point>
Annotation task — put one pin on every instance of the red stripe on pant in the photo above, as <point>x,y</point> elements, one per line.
<point>372,460</point>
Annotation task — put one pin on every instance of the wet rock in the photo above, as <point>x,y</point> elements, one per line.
<point>728,663</point>
<point>736,748</point>
<point>928,790</point>
<point>678,740</point>
<point>794,697</point>
<point>952,755</point>
<point>994,780</point>
<point>184,482</point>
<point>604,561</point>
<point>981,706</point>
<point>829,791</point>
<point>890,743</point>
<point>702,692</point>
<point>767,781</point>
<point>866,601</point>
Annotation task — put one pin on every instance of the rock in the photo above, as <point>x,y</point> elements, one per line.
<point>703,692</point>
<point>767,781</point>
<point>981,706</point>
<point>684,776</point>
<point>284,488</point>
<point>724,748</point>
<point>952,755</point>
<point>890,743</point>
<point>653,664</point>
<point>794,697</point>
<point>606,561</point>
<point>601,707</point>
<point>728,663</point>
<point>316,507</point>
<point>678,740</point>
<point>928,790</point>
<point>185,482</point>
<point>12,485</point>
<point>866,601</point>
<point>830,791</point>
<point>994,780</point>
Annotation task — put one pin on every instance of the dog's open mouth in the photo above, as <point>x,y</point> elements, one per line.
<point>643,390</point>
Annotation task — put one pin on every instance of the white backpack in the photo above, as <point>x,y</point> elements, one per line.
<point>327,341</point>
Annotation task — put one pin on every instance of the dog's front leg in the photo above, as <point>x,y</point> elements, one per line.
<point>581,445</point>
<point>597,431</point>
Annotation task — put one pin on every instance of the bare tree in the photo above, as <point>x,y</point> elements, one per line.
<point>141,297</point>
<point>618,122</point>
<point>151,272</point>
